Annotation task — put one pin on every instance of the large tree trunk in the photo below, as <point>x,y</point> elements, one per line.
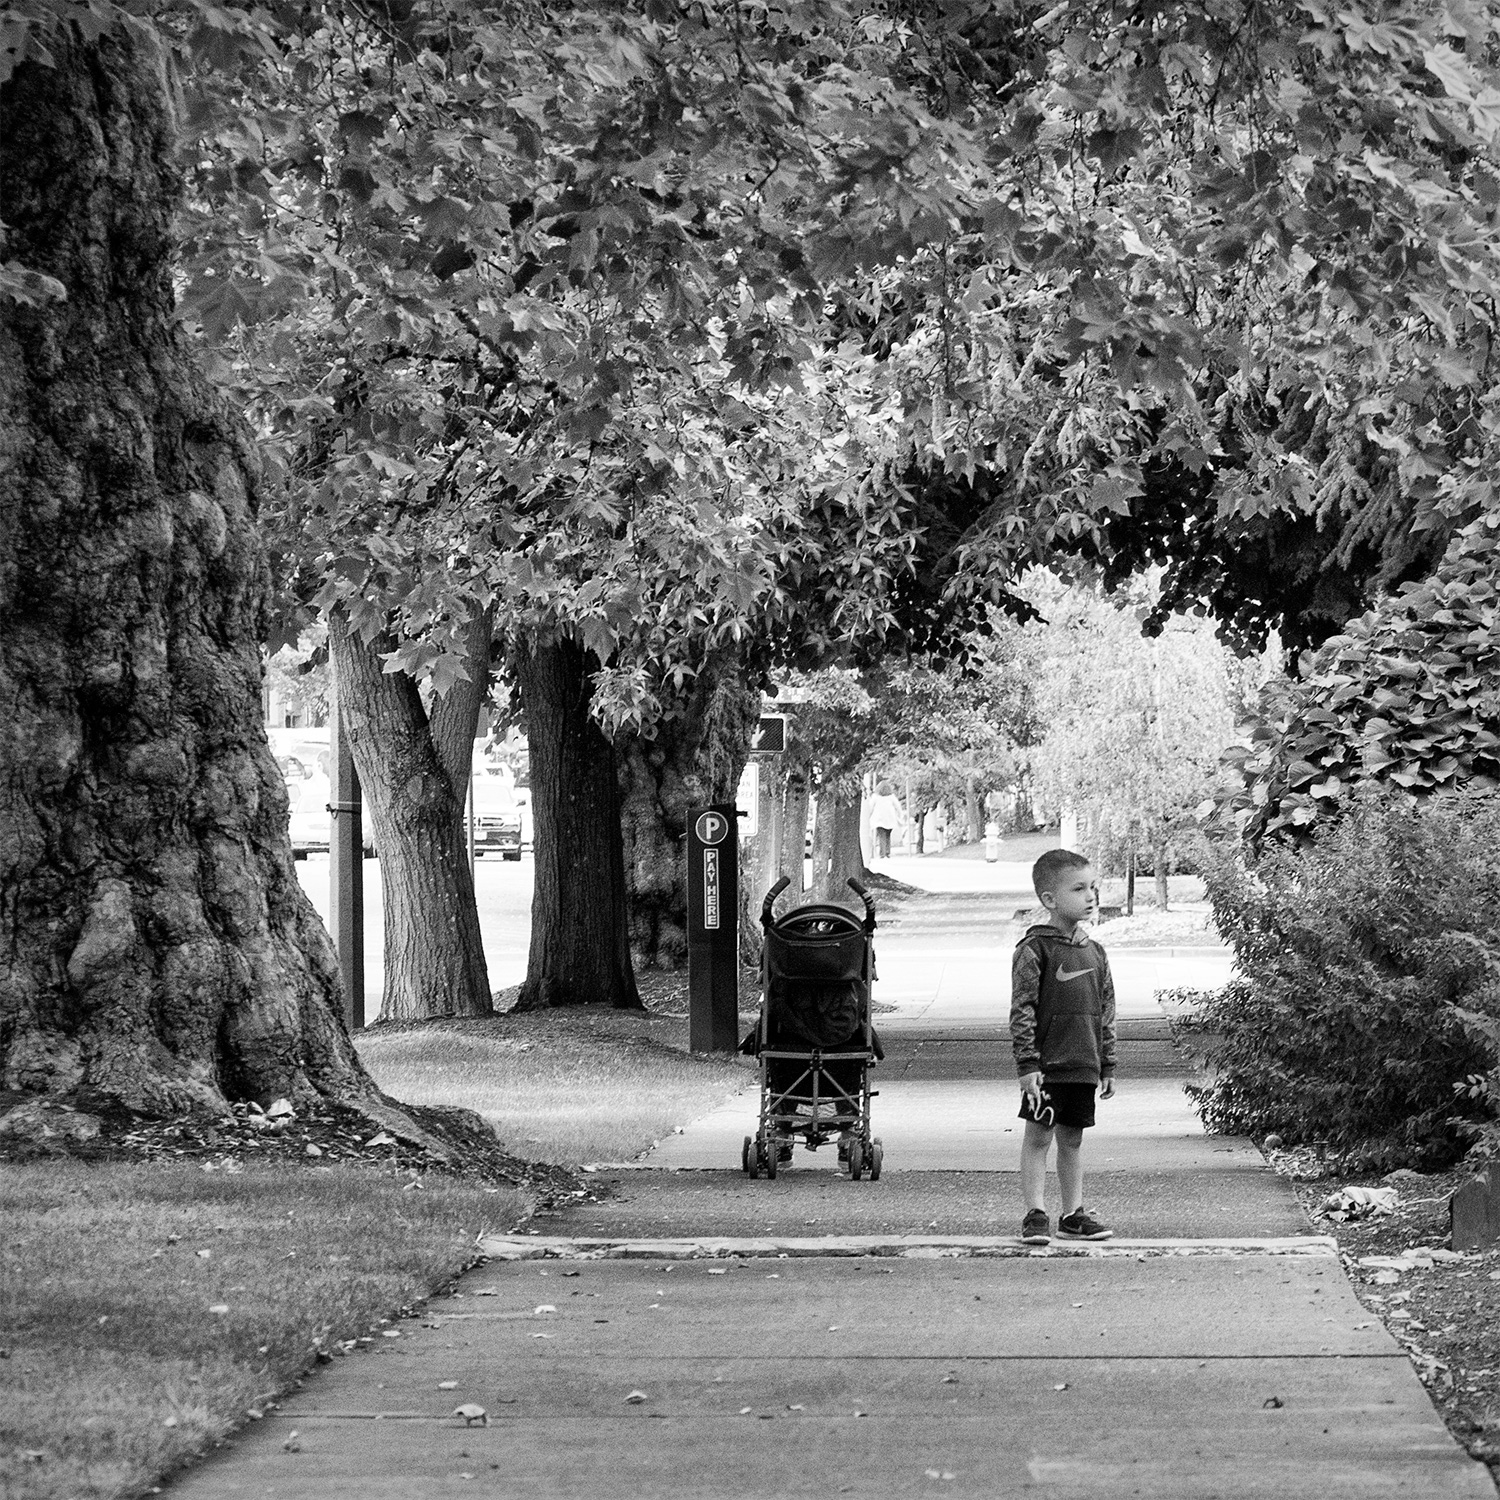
<point>695,757</point>
<point>434,956</point>
<point>159,953</point>
<point>838,856</point>
<point>580,949</point>
<point>1159,854</point>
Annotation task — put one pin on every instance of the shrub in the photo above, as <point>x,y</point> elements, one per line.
<point>1364,1013</point>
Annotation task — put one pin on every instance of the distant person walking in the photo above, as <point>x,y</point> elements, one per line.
<point>886,816</point>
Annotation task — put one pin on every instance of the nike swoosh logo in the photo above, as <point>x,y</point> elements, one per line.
<point>1073,973</point>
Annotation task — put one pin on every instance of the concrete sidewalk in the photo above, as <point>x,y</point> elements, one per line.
<point>1149,1374</point>
<point>699,1336</point>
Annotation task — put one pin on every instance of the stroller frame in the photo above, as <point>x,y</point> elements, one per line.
<point>808,1090</point>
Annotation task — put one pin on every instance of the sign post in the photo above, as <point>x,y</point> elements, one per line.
<point>713,929</point>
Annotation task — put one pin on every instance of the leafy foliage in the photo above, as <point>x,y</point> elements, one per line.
<point>1216,302</point>
<point>1408,696</point>
<point>1368,966</point>
<point>512,285</point>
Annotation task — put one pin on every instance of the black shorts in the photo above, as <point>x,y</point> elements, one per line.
<point>1072,1104</point>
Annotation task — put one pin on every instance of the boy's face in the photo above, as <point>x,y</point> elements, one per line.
<point>1071,900</point>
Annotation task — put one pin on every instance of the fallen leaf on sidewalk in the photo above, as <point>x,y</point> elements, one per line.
<point>544,1307</point>
<point>1271,1403</point>
<point>1061,1385</point>
<point>447,1385</point>
<point>472,1413</point>
<point>636,1397</point>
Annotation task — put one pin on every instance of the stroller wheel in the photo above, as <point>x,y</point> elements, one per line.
<point>856,1160</point>
<point>747,1157</point>
<point>768,1158</point>
<point>877,1155</point>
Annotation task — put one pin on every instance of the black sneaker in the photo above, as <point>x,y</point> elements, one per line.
<point>1080,1225</point>
<point>1036,1228</point>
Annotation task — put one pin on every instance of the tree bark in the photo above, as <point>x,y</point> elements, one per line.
<point>847,853</point>
<point>454,718</point>
<point>822,842</point>
<point>580,947</point>
<point>696,757</point>
<point>842,856</point>
<point>1159,854</point>
<point>794,833</point>
<point>434,956</point>
<point>160,956</point>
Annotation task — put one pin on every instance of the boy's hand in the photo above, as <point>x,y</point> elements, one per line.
<point>1107,1086</point>
<point>1031,1088</point>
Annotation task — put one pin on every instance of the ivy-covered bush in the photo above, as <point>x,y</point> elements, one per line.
<point>1408,696</point>
<point>1366,1012</point>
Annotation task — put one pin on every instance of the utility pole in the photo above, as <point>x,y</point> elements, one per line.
<point>346,866</point>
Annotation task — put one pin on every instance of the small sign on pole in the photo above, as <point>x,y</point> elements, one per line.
<point>770,735</point>
<point>747,799</point>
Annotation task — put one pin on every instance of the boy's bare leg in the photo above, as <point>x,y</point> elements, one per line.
<point>1069,1167</point>
<point>1034,1147</point>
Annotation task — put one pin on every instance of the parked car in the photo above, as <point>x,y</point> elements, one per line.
<point>303,756</point>
<point>500,821</point>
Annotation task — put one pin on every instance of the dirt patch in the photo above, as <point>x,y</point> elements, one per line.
<point>1442,1308</point>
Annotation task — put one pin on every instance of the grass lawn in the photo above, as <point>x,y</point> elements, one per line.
<point>147,1310</point>
<point>585,1084</point>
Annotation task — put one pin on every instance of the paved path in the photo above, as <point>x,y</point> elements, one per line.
<point>701,1336</point>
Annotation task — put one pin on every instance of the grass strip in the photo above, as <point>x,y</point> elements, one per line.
<point>590,1086</point>
<point>147,1310</point>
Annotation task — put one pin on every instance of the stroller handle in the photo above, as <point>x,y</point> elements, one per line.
<point>770,901</point>
<point>869,901</point>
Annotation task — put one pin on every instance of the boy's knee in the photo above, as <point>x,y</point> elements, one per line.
<point>1038,1136</point>
<point>1070,1136</point>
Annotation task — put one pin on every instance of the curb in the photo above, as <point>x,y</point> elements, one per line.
<point>877,1246</point>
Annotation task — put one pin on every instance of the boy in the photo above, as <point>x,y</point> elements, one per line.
<point>1062,1026</point>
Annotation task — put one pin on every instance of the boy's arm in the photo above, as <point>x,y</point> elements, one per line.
<point>1107,1017</point>
<point>1025,984</point>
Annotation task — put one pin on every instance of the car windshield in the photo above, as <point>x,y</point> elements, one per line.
<point>494,794</point>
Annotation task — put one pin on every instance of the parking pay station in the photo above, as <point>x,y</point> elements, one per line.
<point>713,928</point>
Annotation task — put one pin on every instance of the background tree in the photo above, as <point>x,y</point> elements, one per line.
<point>1132,728</point>
<point>492,305</point>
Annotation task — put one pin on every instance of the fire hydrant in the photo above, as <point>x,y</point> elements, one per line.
<point>991,842</point>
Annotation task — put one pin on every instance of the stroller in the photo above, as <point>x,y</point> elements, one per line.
<point>814,1038</point>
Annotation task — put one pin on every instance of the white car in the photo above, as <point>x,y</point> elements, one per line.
<point>304,757</point>
<point>501,812</point>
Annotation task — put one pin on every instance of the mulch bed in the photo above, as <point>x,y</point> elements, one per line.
<point>1446,1314</point>
<point>332,1134</point>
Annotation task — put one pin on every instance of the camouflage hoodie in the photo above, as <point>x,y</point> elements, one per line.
<point>1062,1007</point>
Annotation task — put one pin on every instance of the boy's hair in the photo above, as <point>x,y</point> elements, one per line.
<point>1052,866</point>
